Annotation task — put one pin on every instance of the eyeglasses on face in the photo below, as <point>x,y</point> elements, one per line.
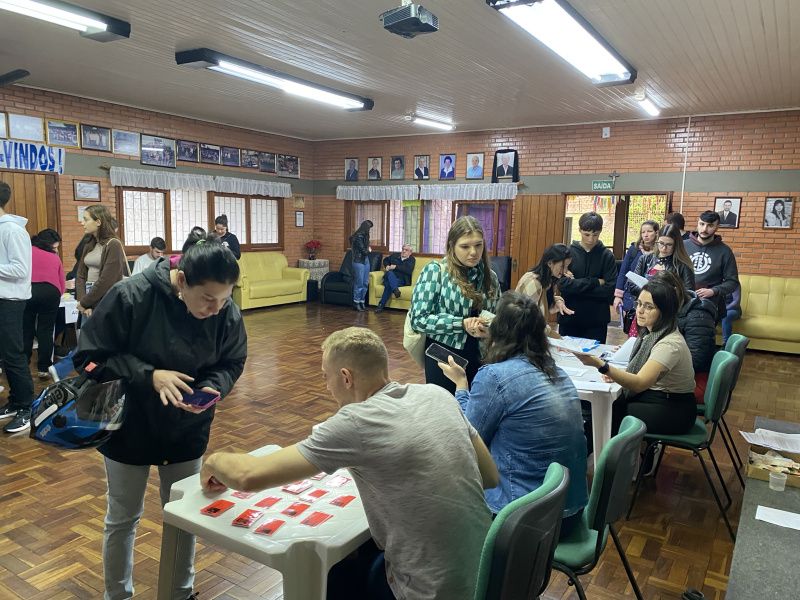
<point>645,306</point>
<point>666,244</point>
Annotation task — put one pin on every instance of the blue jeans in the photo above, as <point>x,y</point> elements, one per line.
<point>390,284</point>
<point>360,280</point>
<point>727,324</point>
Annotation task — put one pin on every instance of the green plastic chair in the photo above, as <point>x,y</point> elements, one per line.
<point>579,553</point>
<point>720,380</point>
<point>517,555</point>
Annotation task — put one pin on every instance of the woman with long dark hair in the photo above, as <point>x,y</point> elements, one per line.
<point>41,309</point>
<point>228,239</point>
<point>777,217</point>
<point>449,297</point>
<point>645,245</point>
<point>360,249</point>
<point>525,408</point>
<point>541,282</point>
<point>166,333</point>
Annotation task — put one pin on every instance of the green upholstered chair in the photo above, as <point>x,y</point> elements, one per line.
<point>720,380</point>
<point>580,552</point>
<point>518,552</point>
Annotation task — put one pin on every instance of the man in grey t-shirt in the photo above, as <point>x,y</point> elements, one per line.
<point>419,466</point>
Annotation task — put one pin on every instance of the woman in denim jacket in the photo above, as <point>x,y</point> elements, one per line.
<point>525,408</point>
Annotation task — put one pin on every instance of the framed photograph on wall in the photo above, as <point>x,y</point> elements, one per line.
<point>63,133</point>
<point>778,213</point>
<point>86,191</point>
<point>422,166</point>
<point>447,166</point>
<point>125,142</point>
<point>398,167</point>
<point>23,127</point>
<point>375,172</point>
<point>351,169</point>
<point>266,162</point>
<point>230,157</point>
<point>158,151</point>
<point>728,211</point>
<point>209,154</point>
<point>288,166</point>
<point>250,159</point>
<point>188,151</point>
<point>96,138</point>
<point>475,165</point>
<point>3,129</point>
<point>298,218</point>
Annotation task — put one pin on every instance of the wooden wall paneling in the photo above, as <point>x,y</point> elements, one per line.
<point>33,196</point>
<point>538,222</point>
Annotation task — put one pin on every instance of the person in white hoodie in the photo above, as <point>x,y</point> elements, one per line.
<point>15,290</point>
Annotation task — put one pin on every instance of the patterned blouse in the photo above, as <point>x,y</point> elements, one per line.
<point>438,307</point>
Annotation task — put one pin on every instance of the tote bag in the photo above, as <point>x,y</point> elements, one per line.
<point>414,342</point>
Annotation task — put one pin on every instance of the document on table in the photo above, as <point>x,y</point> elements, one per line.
<point>775,516</point>
<point>623,355</point>
<point>786,442</point>
<point>579,345</point>
<point>636,279</point>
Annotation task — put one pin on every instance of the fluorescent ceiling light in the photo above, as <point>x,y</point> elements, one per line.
<point>434,124</point>
<point>648,106</point>
<point>216,61</point>
<point>562,29</point>
<point>91,24</point>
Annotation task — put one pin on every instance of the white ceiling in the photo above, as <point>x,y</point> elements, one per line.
<point>480,70</point>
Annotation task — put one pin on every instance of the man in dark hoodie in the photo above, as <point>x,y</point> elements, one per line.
<point>590,290</point>
<point>715,272</point>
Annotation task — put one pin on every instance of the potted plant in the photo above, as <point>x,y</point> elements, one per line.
<point>313,247</point>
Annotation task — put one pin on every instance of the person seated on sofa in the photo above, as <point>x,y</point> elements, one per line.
<point>525,408</point>
<point>399,266</point>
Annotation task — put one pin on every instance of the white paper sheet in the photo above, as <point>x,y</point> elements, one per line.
<point>623,355</point>
<point>785,442</point>
<point>573,372</point>
<point>636,279</point>
<point>775,516</point>
<point>580,345</point>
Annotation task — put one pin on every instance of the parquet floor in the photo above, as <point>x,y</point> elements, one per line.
<point>52,503</point>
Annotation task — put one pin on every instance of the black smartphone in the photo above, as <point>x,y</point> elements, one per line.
<point>200,399</point>
<point>440,354</point>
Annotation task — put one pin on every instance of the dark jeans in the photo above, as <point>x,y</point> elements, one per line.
<point>40,318</point>
<point>471,351</point>
<point>390,283</point>
<point>362,574</point>
<point>12,353</point>
<point>592,331</point>
<point>662,412</point>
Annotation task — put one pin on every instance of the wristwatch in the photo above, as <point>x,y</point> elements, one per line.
<point>603,369</point>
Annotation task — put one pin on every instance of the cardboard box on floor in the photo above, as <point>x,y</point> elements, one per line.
<point>762,474</point>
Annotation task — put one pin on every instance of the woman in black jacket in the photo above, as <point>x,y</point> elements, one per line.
<point>228,239</point>
<point>360,249</point>
<point>164,333</point>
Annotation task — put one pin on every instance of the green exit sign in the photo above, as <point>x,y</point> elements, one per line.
<point>602,186</point>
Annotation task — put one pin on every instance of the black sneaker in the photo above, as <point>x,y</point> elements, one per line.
<point>379,309</point>
<point>7,412</point>
<point>20,422</point>
<point>396,293</point>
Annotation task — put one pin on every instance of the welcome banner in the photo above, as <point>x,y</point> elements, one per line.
<point>29,156</point>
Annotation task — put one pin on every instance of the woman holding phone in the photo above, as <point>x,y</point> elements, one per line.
<point>167,334</point>
<point>541,283</point>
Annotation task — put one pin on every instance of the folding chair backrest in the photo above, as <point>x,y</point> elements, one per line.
<point>737,345</point>
<point>720,382</point>
<point>518,552</point>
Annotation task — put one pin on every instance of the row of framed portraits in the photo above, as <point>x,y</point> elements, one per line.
<point>151,149</point>
<point>420,169</point>
<point>778,212</point>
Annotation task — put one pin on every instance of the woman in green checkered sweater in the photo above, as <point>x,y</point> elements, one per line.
<point>450,294</point>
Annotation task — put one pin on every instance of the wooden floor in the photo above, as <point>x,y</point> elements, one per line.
<point>52,503</point>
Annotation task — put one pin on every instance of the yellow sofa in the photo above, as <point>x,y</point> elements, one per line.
<point>404,301</point>
<point>265,279</point>
<point>770,313</point>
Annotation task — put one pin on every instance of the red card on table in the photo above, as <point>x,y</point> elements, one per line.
<point>243,495</point>
<point>216,508</point>
<point>294,509</point>
<point>313,495</point>
<point>268,502</point>
<point>298,487</point>
<point>337,481</point>
<point>247,518</point>
<point>342,500</point>
<point>315,518</point>
<point>269,527</point>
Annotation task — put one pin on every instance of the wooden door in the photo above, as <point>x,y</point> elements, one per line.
<point>35,197</point>
<point>538,223</point>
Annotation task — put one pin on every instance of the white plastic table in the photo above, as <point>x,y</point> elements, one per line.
<point>591,387</point>
<point>302,554</point>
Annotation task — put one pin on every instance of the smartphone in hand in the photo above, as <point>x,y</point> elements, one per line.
<point>440,354</point>
<point>200,399</point>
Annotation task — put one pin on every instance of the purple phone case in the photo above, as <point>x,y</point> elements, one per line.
<point>200,399</point>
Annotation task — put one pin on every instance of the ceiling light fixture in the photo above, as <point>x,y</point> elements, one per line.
<point>434,124</point>
<point>562,29</point>
<point>222,63</point>
<point>646,104</point>
<point>90,24</point>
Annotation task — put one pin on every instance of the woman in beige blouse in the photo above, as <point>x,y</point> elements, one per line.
<point>103,262</point>
<point>541,282</point>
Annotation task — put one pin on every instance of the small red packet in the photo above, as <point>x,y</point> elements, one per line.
<point>243,495</point>
<point>268,502</point>
<point>269,527</point>
<point>298,487</point>
<point>342,500</point>
<point>337,481</point>
<point>247,518</point>
<point>316,518</point>
<point>313,495</point>
<point>216,508</point>
<point>318,476</point>
<point>294,509</point>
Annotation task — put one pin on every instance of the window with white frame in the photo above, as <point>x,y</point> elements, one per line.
<point>142,216</point>
<point>234,208</point>
<point>264,221</point>
<point>189,208</point>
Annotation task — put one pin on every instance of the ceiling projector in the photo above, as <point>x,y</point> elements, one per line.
<point>409,20</point>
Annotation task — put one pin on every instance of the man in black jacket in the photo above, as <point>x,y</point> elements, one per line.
<point>590,290</point>
<point>399,266</point>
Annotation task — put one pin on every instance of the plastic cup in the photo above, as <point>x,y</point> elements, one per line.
<point>777,481</point>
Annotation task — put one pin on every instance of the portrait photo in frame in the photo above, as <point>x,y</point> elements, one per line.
<point>95,138</point>
<point>447,166</point>
<point>63,133</point>
<point>728,210</point>
<point>289,166</point>
<point>158,151</point>
<point>24,127</point>
<point>230,156</point>
<point>375,164</point>
<point>86,191</point>
<point>266,162</point>
<point>351,169</point>
<point>209,154</point>
<point>475,165</point>
<point>188,151</point>
<point>778,212</point>
<point>398,167</point>
<point>125,142</point>
<point>422,163</point>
